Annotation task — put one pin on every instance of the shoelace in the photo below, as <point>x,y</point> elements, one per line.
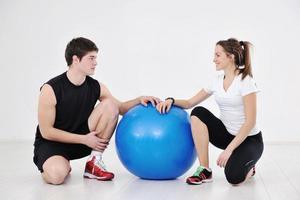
<point>198,171</point>
<point>100,163</point>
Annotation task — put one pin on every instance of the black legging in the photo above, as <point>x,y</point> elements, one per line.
<point>243,158</point>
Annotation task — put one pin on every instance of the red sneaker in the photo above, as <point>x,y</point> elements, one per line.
<point>95,169</point>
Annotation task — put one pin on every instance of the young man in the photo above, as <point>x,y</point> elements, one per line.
<point>70,125</point>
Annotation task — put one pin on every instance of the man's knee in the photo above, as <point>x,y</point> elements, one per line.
<point>111,107</point>
<point>55,172</point>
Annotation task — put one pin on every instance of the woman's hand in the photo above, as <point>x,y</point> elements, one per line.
<point>223,158</point>
<point>164,106</point>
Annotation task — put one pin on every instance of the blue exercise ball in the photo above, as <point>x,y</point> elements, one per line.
<point>155,146</point>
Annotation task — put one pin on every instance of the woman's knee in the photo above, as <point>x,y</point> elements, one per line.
<point>200,112</point>
<point>196,122</point>
<point>234,176</point>
<point>197,116</point>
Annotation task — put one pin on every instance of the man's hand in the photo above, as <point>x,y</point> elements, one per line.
<point>146,99</point>
<point>92,140</point>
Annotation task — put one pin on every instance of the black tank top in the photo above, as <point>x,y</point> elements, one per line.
<point>74,104</point>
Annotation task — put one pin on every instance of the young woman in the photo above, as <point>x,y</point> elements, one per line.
<point>235,131</point>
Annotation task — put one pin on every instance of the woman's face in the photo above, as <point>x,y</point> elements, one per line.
<point>221,59</point>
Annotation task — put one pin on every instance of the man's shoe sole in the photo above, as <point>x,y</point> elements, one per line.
<point>91,176</point>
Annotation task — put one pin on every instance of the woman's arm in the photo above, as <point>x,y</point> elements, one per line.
<point>250,114</point>
<point>165,106</point>
<point>196,99</point>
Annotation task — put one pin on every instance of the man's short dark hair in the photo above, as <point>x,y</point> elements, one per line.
<point>79,47</point>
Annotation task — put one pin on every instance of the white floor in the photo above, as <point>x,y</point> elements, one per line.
<point>278,177</point>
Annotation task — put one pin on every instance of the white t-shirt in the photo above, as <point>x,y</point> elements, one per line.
<point>230,102</point>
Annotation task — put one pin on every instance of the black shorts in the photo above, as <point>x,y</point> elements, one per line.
<point>243,158</point>
<point>44,149</point>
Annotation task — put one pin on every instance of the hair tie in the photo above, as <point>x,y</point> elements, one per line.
<point>241,43</point>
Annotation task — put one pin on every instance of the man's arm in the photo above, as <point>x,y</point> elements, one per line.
<point>125,106</point>
<point>46,118</point>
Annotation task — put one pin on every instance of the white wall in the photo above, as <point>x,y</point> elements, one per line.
<point>157,47</point>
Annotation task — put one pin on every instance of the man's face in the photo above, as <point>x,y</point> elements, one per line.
<point>88,63</point>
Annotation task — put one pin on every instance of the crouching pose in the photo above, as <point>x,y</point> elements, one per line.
<point>235,131</point>
<point>70,126</point>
